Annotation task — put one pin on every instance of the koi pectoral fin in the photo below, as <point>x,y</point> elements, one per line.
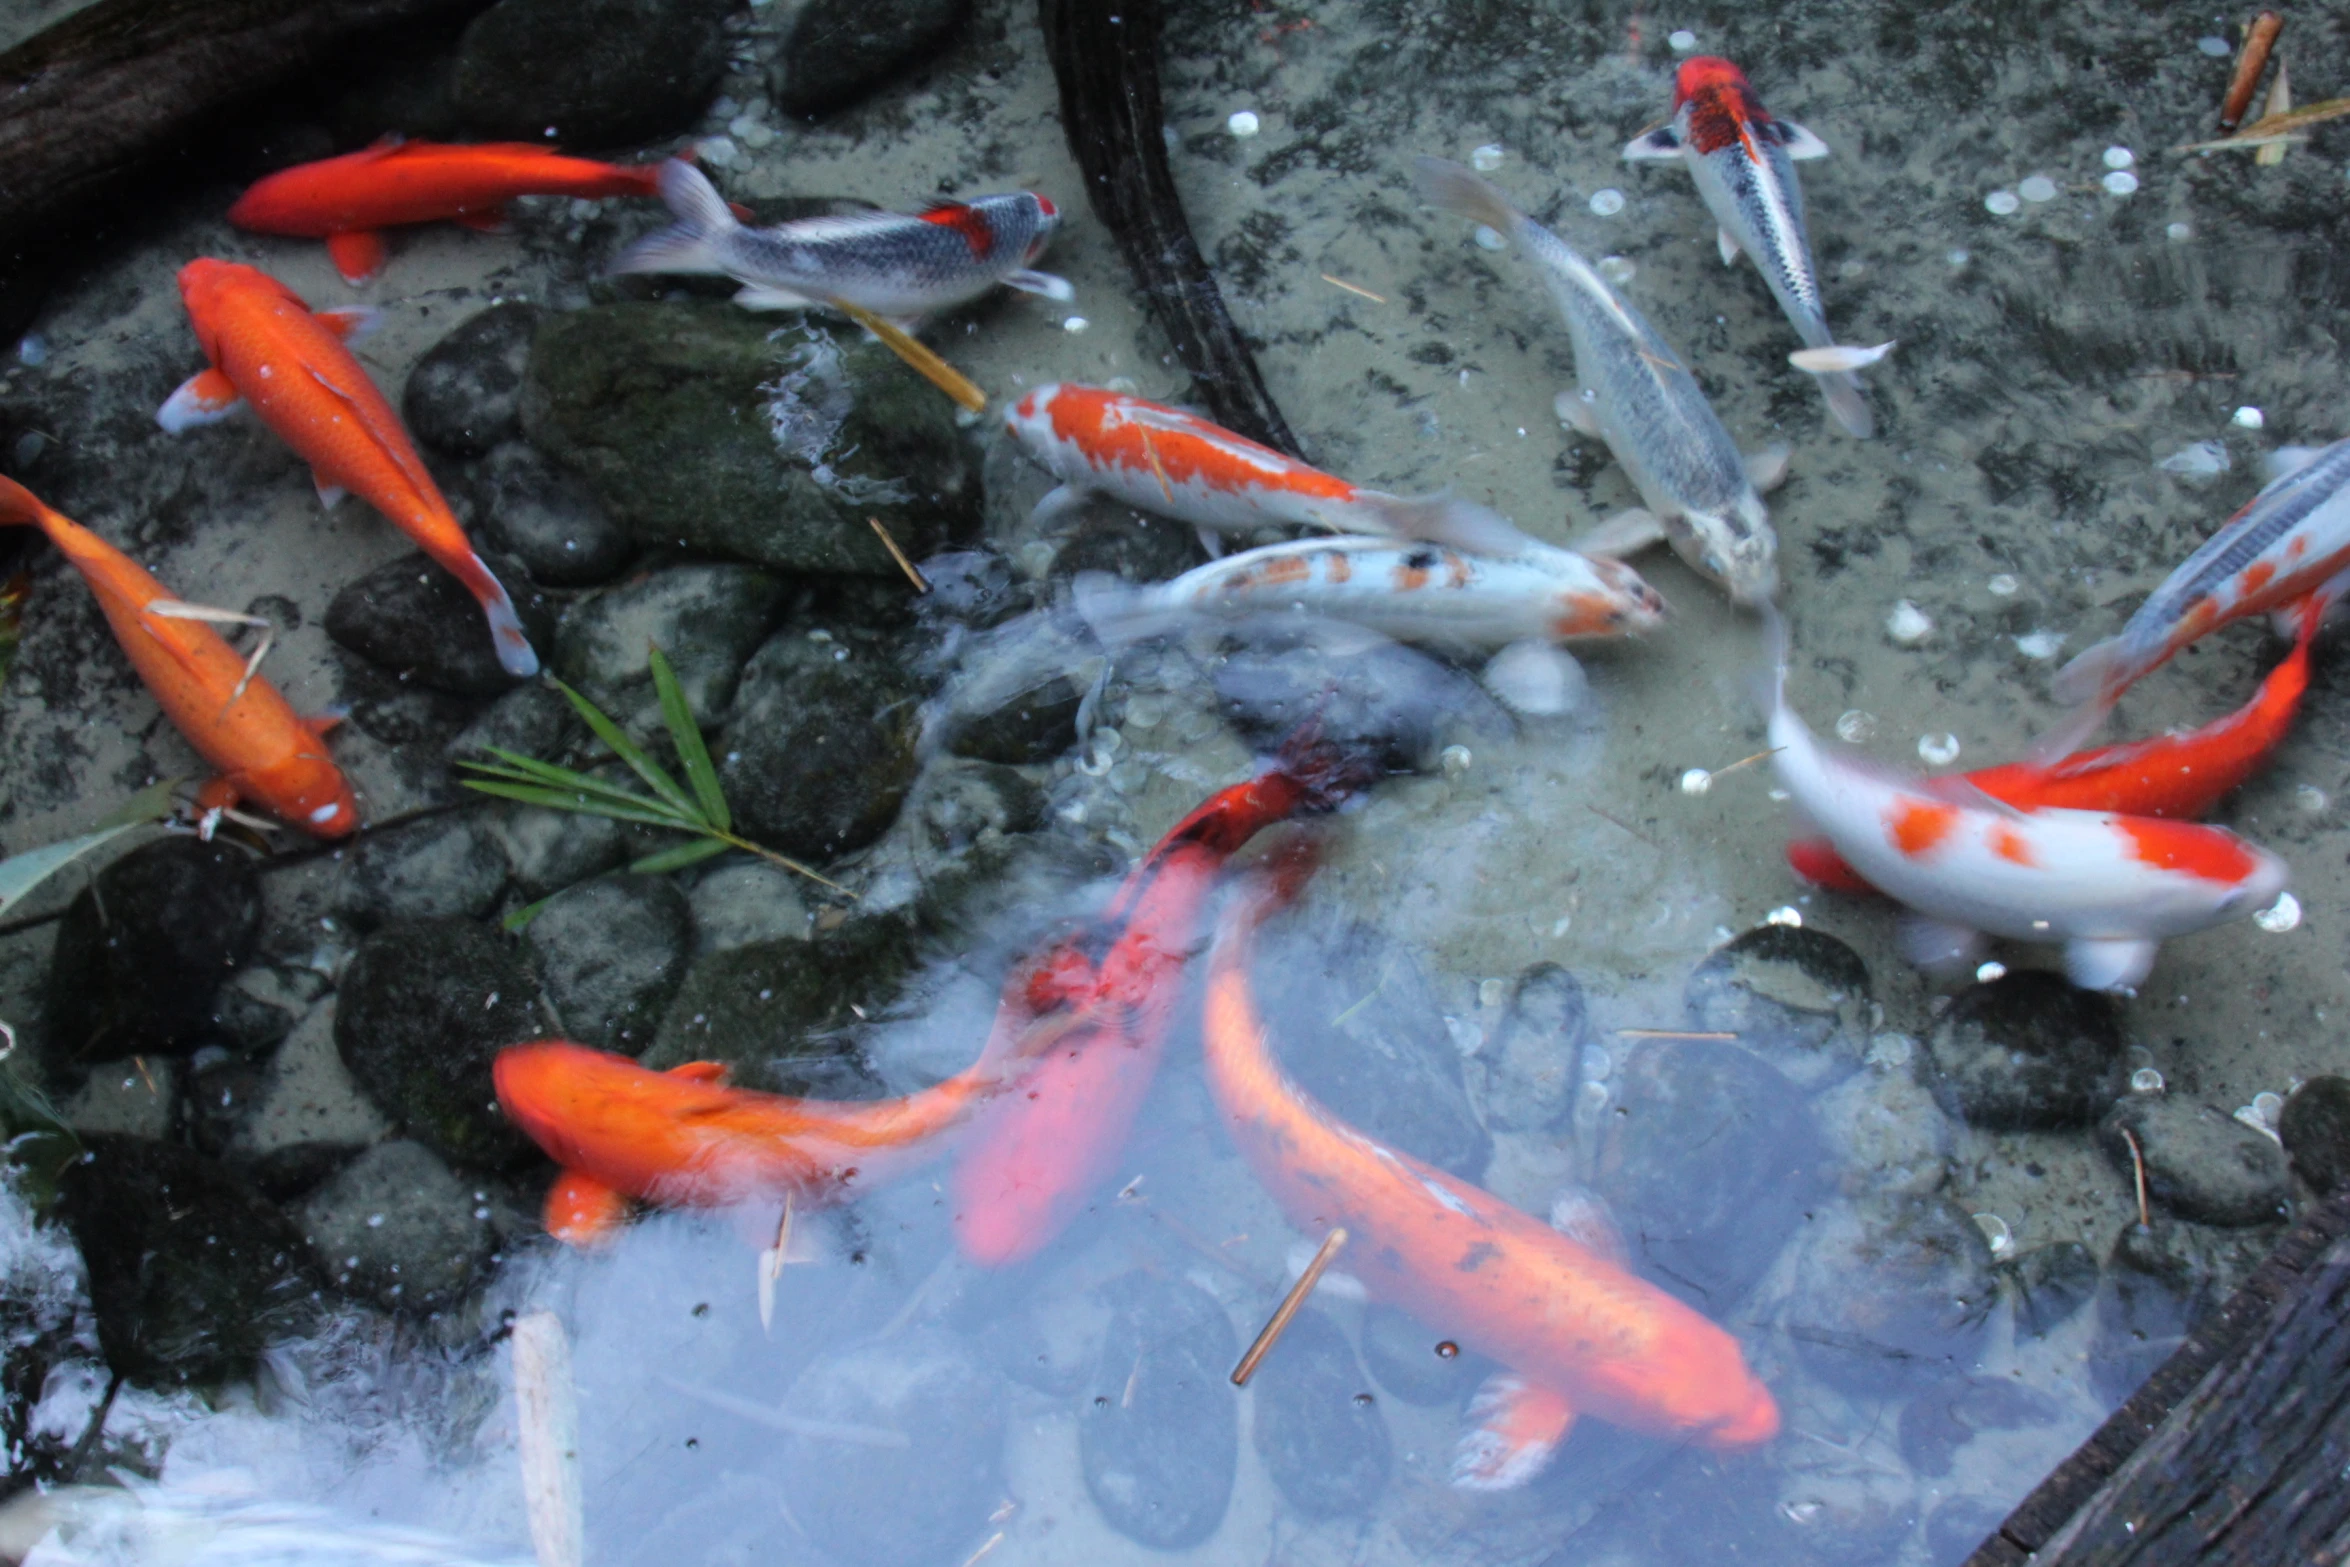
<point>1658,146</point>
<point>1042,283</point>
<point>351,323</point>
<point>583,1211</point>
<point>1727,244</point>
<point>1766,470</point>
<point>1537,678</point>
<point>701,1071</point>
<point>1627,532</point>
<point>1937,945</point>
<point>329,495</point>
<point>2108,965</point>
<point>1574,410</point>
<point>207,397</point>
<point>358,255</point>
<point>1800,143</point>
<point>491,222</point>
<point>1514,1427</point>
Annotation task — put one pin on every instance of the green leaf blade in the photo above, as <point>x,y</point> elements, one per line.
<point>569,800</point>
<point>678,858</point>
<point>629,751</point>
<point>692,752</point>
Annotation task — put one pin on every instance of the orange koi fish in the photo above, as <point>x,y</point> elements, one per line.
<point>347,201</point>
<point>684,1138</point>
<point>1042,1153</point>
<point>1579,1334</point>
<point>238,723</point>
<point>269,349</point>
<point>2181,776</point>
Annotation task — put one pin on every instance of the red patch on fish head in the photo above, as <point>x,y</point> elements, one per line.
<point>1918,825</point>
<point>1720,104</point>
<point>1704,73</point>
<point>1044,205</point>
<point>967,221</point>
<point>2205,853</point>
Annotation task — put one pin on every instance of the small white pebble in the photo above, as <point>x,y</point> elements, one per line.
<point>1607,203</point>
<point>1560,926</point>
<point>2310,798</point>
<point>717,151</point>
<point>1855,726</point>
<point>1996,1232</point>
<point>2146,1080</point>
<point>1785,915</point>
<point>2199,461</point>
<point>1617,269</point>
<point>1075,324</point>
<point>2000,203</point>
<point>2036,187</point>
<point>2215,46</point>
<point>1777,795</point>
<point>2268,1106</point>
<point>1908,623</point>
<point>1486,158</point>
<point>2001,586</point>
<point>1455,760</point>
<point>2280,916</point>
<point>32,348</point>
<point>2250,417</point>
<point>1958,258</point>
<point>2180,231</point>
<point>1938,750</point>
<point>1989,971</point>
<point>1681,40</point>
<point>2251,1117</point>
<point>1696,781</point>
<point>1243,124</point>
<point>375,1221</point>
<point>2039,644</point>
<point>2119,157</point>
<point>2121,182</point>
<point>1489,239</point>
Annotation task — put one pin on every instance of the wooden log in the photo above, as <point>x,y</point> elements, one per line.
<point>1105,56</point>
<point>2234,1451</point>
<point>109,89</point>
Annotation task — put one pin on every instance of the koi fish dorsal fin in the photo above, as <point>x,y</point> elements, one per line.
<point>1444,518</point>
<point>701,1071</point>
<point>1514,1427</point>
<point>583,1211</point>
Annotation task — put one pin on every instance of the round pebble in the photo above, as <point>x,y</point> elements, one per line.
<point>2250,417</point>
<point>1785,915</point>
<point>2039,644</point>
<point>1855,726</point>
<point>1454,759</point>
<point>1990,970</point>
<point>2310,798</point>
<point>1489,239</point>
<point>1958,258</point>
<point>1607,203</point>
<point>1908,623</point>
<point>1996,1232</point>
<point>32,349</point>
<point>2315,1128</point>
<point>2036,187</point>
<point>2146,1080</point>
<point>1075,324</point>
<point>2001,203</point>
<point>2268,1106</point>
<point>1617,269</point>
<point>2119,157</point>
<point>2180,231</point>
<point>2215,46</point>
<point>1243,124</point>
<point>2002,586</point>
<point>1696,781</point>
<point>1682,40</point>
<point>1938,750</point>
<point>2281,915</point>
<point>717,151</point>
<point>1487,157</point>
<point>2121,182</point>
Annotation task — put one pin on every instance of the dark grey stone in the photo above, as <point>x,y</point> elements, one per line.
<point>192,1272</point>
<point>439,866</point>
<point>548,850</point>
<point>259,1004</point>
<point>424,1009</point>
<point>1159,1436</point>
<point>822,747</point>
<point>1891,1293</point>
<point>612,953</point>
<point>142,952</point>
<point>2158,1284</point>
<point>838,50</point>
<point>588,73</point>
<point>1318,1427</point>
<point>463,397</point>
<point>1944,1418</point>
<point>1412,1362</point>
<point>1795,996</point>
<point>706,427</point>
<point>2315,1127</point>
<point>742,900</point>
<point>1399,705</point>
<point>778,1012</point>
<point>1886,1133</point>
<point>1533,1062</point>
<point>1034,725</point>
<point>395,1227</point>
<point>547,519</point>
<point>870,1505</point>
<point>706,619</point>
<point>531,720</point>
<point>1131,544</point>
<point>2051,1284</point>
<point>2027,1052</point>
<point>412,619</point>
<point>2200,1164</point>
<point>1708,1160</point>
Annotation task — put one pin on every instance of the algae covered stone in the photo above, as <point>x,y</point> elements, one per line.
<point>704,426</point>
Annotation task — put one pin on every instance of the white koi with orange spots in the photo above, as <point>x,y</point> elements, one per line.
<point>1175,464</point>
<point>2287,542</point>
<point>2108,887</point>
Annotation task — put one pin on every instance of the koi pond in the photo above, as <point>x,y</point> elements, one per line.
<point>1103,783</point>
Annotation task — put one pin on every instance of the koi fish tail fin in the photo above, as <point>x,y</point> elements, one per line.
<point>1118,613</point>
<point>1847,406</point>
<point>1514,1427</point>
<point>2096,674</point>
<point>1445,184</point>
<point>703,218</point>
<point>513,643</point>
<point>1443,518</point>
<point>20,506</point>
<point>1766,684</point>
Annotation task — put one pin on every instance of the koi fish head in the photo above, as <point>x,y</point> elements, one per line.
<point>308,790</point>
<point>588,1107</point>
<point>207,286</point>
<point>2237,877</point>
<point>1736,550</point>
<point>1046,220</point>
<point>1625,604</point>
<point>1715,103</point>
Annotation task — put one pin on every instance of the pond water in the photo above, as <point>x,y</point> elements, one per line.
<point>296,1253</point>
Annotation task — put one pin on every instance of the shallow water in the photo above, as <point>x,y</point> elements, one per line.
<point>905,1406</point>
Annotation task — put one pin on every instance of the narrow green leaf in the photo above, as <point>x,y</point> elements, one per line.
<point>570,782</point>
<point>566,800</point>
<point>21,873</point>
<point>630,752</point>
<point>514,922</point>
<point>693,852</point>
<point>691,751</point>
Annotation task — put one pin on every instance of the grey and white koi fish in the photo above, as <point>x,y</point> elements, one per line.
<point>1744,163</point>
<point>901,267</point>
<point>1640,399</point>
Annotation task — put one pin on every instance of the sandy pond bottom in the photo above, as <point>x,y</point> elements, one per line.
<point>2013,509</point>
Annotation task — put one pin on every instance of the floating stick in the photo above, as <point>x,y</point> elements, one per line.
<point>771,1263</point>
<point>933,369</point>
<point>2138,1173</point>
<point>1354,288</point>
<point>2280,103</point>
<point>913,572</point>
<point>1290,1303</point>
<point>547,1411</point>
<point>2273,128</point>
<point>2259,39</point>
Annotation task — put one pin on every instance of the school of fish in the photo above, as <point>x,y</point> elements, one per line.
<point>2097,853</point>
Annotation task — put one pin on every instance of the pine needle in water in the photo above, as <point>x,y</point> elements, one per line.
<point>933,369</point>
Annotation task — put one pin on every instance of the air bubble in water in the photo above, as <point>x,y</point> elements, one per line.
<point>1938,750</point>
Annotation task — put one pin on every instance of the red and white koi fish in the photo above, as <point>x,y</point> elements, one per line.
<point>1039,1155</point>
<point>270,349</point>
<point>1743,160</point>
<point>2109,887</point>
<point>348,201</point>
<point>1579,1333</point>
<point>1175,464</point>
<point>898,266</point>
<point>2287,542</point>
